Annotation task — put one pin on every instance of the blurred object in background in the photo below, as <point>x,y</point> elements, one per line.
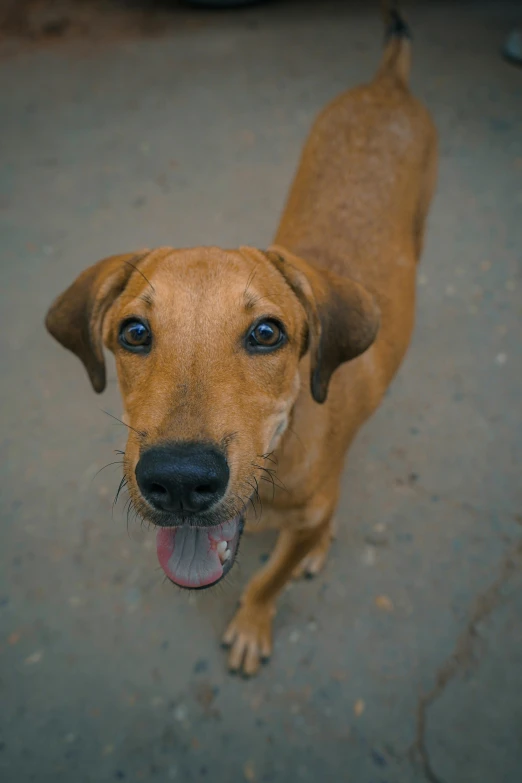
<point>512,50</point>
<point>222,3</point>
<point>51,19</point>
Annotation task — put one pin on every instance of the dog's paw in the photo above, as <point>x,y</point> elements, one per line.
<point>249,637</point>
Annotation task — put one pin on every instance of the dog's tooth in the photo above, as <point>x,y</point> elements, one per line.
<point>221,547</point>
<point>226,555</point>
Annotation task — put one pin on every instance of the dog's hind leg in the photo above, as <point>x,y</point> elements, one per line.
<point>314,562</point>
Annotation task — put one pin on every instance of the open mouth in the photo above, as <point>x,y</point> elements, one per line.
<point>196,557</point>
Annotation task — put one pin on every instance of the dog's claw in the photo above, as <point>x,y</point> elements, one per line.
<point>312,564</point>
<point>249,639</point>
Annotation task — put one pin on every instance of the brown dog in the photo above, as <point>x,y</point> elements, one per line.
<point>219,351</point>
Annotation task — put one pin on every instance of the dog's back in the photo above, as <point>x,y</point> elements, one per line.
<point>358,207</point>
<point>361,195</point>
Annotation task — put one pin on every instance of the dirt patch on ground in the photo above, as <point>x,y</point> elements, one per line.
<point>48,20</point>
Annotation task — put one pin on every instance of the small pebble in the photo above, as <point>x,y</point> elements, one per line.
<point>369,556</point>
<point>384,603</point>
<point>36,657</point>
<point>378,758</point>
<point>376,538</point>
<point>501,358</point>
<point>200,666</point>
<point>294,637</point>
<point>358,708</point>
<point>180,713</point>
<point>450,290</point>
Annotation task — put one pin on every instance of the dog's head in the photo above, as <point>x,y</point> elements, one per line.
<point>208,346</point>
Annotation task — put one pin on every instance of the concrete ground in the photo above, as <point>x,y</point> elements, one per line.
<point>402,663</point>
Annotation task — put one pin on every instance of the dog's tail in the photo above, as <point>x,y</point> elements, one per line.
<point>396,59</point>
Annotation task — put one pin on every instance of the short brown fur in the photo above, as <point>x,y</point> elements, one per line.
<point>340,276</point>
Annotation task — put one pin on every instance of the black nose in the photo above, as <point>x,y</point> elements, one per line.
<point>182,476</point>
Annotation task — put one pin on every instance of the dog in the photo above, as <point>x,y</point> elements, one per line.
<point>245,374</point>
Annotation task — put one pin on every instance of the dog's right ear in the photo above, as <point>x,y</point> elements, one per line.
<point>75,318</point>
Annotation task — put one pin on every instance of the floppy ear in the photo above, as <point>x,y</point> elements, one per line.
<point>343,319</point>
<point>75,318</point>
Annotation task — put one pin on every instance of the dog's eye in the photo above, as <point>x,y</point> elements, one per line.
<point>265,335</point>
<point>135,335</point>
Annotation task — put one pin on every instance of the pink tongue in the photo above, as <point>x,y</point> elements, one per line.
<point>188,555</point>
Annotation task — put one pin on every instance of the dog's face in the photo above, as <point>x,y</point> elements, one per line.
<point>208,346</point>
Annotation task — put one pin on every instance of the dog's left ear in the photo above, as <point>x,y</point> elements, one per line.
<point>343,319</point>
<point>75,318</point>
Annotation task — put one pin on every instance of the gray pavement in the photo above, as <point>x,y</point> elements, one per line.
<point>402,662</point>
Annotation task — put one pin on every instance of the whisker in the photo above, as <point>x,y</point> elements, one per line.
<point>269,457</point>
<point>116,462</point>
<point>273,475</point>
<point>296,436</point>
<point>244,504</point>
<point>141,434</point>
<point>250,279</point>
<point>122,484</point>
<point>251,500</point>
<point>258,496</point>
<point>128,507</point>
<point>271,481</point>
<point>141,273</point>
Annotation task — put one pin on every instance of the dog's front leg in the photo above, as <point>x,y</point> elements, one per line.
<point>249,635</point>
